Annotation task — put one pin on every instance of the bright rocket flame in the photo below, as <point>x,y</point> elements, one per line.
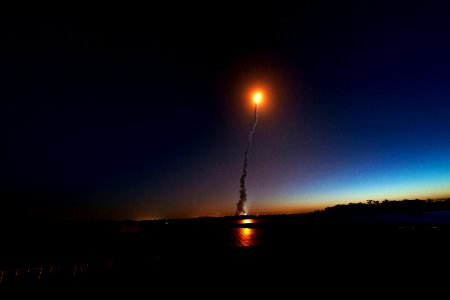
<point>257,97</point>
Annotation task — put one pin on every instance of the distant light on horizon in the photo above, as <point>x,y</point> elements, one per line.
<point>246,221</point>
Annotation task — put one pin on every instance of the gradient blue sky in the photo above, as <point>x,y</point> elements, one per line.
<point>147,116</point>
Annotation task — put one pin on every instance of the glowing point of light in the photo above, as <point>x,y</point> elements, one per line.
<point>246,221</point>
<point>257,98</point>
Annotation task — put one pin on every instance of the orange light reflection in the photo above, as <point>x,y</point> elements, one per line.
<point>246,237</point>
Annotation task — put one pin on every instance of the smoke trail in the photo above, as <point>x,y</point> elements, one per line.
<point>240,210</point>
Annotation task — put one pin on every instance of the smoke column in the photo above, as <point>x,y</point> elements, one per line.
<point>240,210</point>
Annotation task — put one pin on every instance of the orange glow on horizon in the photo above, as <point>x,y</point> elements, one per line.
<point>246,221</point>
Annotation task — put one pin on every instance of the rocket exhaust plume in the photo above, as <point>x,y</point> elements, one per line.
<point>240,209</point>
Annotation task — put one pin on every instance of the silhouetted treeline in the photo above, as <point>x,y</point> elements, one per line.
<point>415,207</point>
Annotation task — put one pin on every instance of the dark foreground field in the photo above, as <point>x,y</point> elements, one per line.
<point>228,256</point>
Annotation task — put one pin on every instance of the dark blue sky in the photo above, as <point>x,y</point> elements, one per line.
<point>142,113</point>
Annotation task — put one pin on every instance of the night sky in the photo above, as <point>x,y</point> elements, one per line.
<point>145,113</point>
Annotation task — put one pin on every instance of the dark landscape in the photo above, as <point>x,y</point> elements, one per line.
<point>405,242</point>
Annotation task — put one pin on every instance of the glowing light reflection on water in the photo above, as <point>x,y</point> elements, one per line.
<point>245,236</point>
